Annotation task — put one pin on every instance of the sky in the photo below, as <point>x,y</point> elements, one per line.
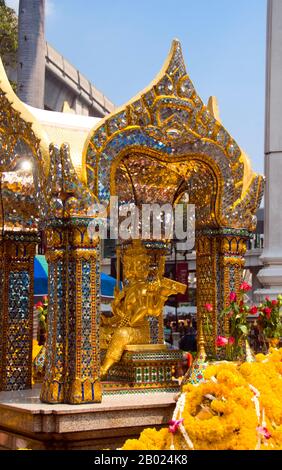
<point>120,46</point>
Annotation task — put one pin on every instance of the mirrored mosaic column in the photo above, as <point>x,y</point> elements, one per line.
<point>220,263</point>
<point>17,253</point>
<point>206,272</point>
<point>73,356</point>
<point>231,246</point>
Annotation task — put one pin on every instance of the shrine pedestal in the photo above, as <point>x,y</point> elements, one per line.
<point>148,367</point>
<point>25,422</point>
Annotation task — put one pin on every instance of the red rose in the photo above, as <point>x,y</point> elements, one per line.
<point>267,312</point>
<point>253,310</point>
<point>274,302</point>
<point>232,297</point>
<point>245,287</point>
<point>221,341</point>
<point>39,304</point>
<point>231,340</point>
<point>208,307</point>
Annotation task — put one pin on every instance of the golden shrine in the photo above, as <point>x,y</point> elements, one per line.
<point>161,145</point>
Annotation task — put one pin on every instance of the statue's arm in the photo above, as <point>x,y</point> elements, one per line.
<point>138,316</point>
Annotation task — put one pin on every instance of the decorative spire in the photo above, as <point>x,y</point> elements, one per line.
<point>195,374</point>
<point>201,341</point>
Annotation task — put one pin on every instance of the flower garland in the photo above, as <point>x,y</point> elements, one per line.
<point>219,414</point>
<point>237,407</point>
<point>177,423</point>
<point>150,439</point>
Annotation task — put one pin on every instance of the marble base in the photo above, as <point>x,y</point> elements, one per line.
<point>26,422</point>
<point>260,294</point>
<point>271,279</point>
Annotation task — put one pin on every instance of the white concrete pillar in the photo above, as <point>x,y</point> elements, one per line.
<point>31,52</point>
<point>271,275</point>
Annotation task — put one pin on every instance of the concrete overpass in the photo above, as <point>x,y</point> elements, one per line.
<point>67,89</point>
<point>65,83</point>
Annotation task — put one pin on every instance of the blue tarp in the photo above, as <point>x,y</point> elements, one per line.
<point>108,283</point>
<point>40,275</point>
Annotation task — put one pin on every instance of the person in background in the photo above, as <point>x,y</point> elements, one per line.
<point>181,329</point>
<point>190,328</point>
<point>189,342</point>
<point>167,332</point>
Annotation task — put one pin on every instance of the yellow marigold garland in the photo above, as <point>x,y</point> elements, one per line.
<point>150,439</point>
<point>238,407</point>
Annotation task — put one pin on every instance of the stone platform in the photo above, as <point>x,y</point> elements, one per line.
<point>26,422</point>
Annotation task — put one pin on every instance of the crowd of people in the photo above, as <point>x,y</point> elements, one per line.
<point>186,339</point>
<point>186,329</point>
<point>182,334</point>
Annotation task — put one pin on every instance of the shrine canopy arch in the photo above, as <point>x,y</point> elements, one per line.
<point>56,166</point>
<point>21,138</point>
<point>18,127</point>
<point>168,123</point>
<point>151,177</point>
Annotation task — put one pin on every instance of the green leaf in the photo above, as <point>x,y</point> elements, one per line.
<point>244,329</point>
<point>8,34</point>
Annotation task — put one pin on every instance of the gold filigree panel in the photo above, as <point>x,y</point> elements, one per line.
<point>151,179</point>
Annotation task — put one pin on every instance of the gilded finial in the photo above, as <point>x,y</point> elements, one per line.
<point>201,340</point>
<point>195,374</point>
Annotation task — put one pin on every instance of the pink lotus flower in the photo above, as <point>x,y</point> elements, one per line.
<point>231,340</point>
<point>208,307</point>
<point>264,432</point>
<point>232,297</point>
<point>253,310</point>
<point>174,425</point>
<point>221,341</point>
<point>245,287</point>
